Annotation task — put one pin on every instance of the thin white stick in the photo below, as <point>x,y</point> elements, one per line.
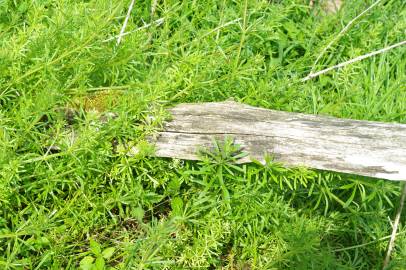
<point>153,7</point>
<point>220,27</point>
<point>211,31</point>
<point>157,22</point>
<point>130,8</point>
<point>359,58</point>
<point>368,243</point>
<point>342,32</point>
<point>395,228</point>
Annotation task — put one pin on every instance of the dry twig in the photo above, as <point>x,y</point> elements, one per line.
<point>125,22</point>
<point>395,228</point>
<point>153,7</point>
<point>156,22</point>
<point>356,59</point>
<point>342,33</point>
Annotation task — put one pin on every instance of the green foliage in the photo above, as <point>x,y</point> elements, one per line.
<point>72,198</point>
<point>90,263</point>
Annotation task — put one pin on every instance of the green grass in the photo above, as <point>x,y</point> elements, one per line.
<point>89,207</point>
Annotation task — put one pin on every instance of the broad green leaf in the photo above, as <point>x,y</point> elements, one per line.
<point>95,247</point>
<point>108,252</point>
<point>86,263</point>
<point>177,206</point>
<point>138,213</point>
<point>100,263</point>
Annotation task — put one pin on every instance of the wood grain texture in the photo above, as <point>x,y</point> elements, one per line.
<point>358,147</point>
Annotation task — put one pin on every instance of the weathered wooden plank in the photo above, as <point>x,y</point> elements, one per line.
<point>358,147</point>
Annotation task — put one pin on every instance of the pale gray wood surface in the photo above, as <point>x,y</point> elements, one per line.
<point>358,147</point>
